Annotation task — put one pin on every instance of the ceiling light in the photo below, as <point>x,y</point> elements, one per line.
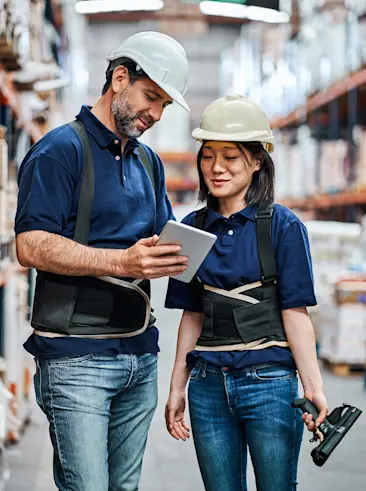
<point>267,15</point>
<point>238,11</point>
<point>98,6</point>
<point>223,9</point>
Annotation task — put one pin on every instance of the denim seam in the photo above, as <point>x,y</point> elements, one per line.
<point>56,432</point>
<point>127,386</point>
<point>294,482</point>
<point>72,360</point>
<point>40,386</point>
<point>227,395</point>
<point>241,463</point>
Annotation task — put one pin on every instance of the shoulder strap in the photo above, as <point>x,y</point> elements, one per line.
<point>145,159</point>
<point>82,225</point>
<point>265,250</point>
<point>199,219</point>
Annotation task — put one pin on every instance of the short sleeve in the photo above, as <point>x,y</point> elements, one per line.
<point>185,296</point>
<point>295,274</point>
<point>45,195</point>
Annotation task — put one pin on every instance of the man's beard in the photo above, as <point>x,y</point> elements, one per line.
<point>124,118</point>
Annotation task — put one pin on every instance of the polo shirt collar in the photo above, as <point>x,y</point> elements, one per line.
<point>101,134</point>
<point>247,213</point>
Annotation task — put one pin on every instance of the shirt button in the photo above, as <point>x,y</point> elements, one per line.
<point>116,142</point>
<point>230,232</point>
<point>117,157</point>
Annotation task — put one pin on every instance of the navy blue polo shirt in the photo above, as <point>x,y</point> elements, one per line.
<point>125,209</point>
<point>233,261</point>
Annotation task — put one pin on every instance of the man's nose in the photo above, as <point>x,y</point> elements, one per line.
<point>155,114</point>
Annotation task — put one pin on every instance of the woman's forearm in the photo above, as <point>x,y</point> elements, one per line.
<point>189,331</point>
<point>301,339</point>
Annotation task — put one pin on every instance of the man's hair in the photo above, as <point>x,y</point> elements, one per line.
<point>261,190</point>
<point>131,66</point>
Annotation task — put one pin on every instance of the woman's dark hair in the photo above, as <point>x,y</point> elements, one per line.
<point>133,74</point>
<point>261,190</point>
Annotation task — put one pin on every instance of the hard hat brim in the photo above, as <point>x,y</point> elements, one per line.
<point>266,140</point>
<point>173,93</point>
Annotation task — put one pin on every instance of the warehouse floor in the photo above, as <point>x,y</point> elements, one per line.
<point>172,466</point>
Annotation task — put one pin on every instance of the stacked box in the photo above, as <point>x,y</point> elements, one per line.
<point>344,335</point>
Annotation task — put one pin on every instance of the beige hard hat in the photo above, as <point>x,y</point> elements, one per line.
<point>162,58</point>
<point>237,119</point>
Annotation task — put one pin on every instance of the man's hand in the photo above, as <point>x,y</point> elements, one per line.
<point>146,260</point>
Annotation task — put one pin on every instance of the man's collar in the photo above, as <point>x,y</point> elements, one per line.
<point>101,134</point>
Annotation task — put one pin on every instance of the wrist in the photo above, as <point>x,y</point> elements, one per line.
<point>118,263</point>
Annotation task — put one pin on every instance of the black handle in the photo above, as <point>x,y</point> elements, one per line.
<point>306,406</point>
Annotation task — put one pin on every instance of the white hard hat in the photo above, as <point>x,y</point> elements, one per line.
<point>237,119</point>
<point>162,58</point>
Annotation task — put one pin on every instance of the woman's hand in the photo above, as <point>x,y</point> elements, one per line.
<point>174,415</point>
<point>320,402</point>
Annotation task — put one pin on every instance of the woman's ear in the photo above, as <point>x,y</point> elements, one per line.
<point>257,164</point>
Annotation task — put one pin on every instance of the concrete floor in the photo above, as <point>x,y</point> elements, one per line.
<point>171,466</point>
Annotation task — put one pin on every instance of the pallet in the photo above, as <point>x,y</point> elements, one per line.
<point>344,369</point>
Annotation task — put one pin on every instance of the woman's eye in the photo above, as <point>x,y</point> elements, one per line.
<point>206,157</point>
<point>231,158</point>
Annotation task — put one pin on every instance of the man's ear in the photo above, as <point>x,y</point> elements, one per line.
<point>120,78</point>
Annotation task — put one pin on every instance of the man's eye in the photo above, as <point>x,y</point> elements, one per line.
<point>150,98</point>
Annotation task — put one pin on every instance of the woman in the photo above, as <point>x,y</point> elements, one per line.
<point>245,331</point>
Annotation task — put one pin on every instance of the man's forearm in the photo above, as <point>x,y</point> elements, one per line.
<point>57,254</point>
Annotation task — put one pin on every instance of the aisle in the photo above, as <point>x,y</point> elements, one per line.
<point>171,465</point>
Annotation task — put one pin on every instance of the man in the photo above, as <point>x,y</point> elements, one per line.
<point>92,201</point>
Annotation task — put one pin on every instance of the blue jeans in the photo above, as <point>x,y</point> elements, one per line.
<point>99,409</point>
<point>233,410</point>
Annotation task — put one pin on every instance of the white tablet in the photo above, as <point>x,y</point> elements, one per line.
<point>195,243</point>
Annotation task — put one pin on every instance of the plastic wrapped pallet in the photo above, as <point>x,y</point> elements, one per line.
<point>344,337</point>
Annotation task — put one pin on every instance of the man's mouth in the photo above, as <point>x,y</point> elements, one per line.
<point>144,123</point>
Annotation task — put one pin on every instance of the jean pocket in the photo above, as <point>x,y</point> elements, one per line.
<point>273,373</point>
<point>195,372</point>
<point>70,360</point>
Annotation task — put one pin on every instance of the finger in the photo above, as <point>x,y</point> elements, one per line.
<point>171,418</point>
<point>178,430</point>
<point>149,241</point>
<point>160,272</point>
<point>182,430</point>
<point>185,426</point>
<point>308,418</point>
<point>311,426</point>
<point>164,261</point>
<point>174,434</point>
<point>319,435</point>
<point>322,415</point>
<point>166,249</point>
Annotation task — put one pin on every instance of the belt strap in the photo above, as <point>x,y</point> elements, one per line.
<point>231,294</point>
<point>265,249</point>
<point>82,225</point>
